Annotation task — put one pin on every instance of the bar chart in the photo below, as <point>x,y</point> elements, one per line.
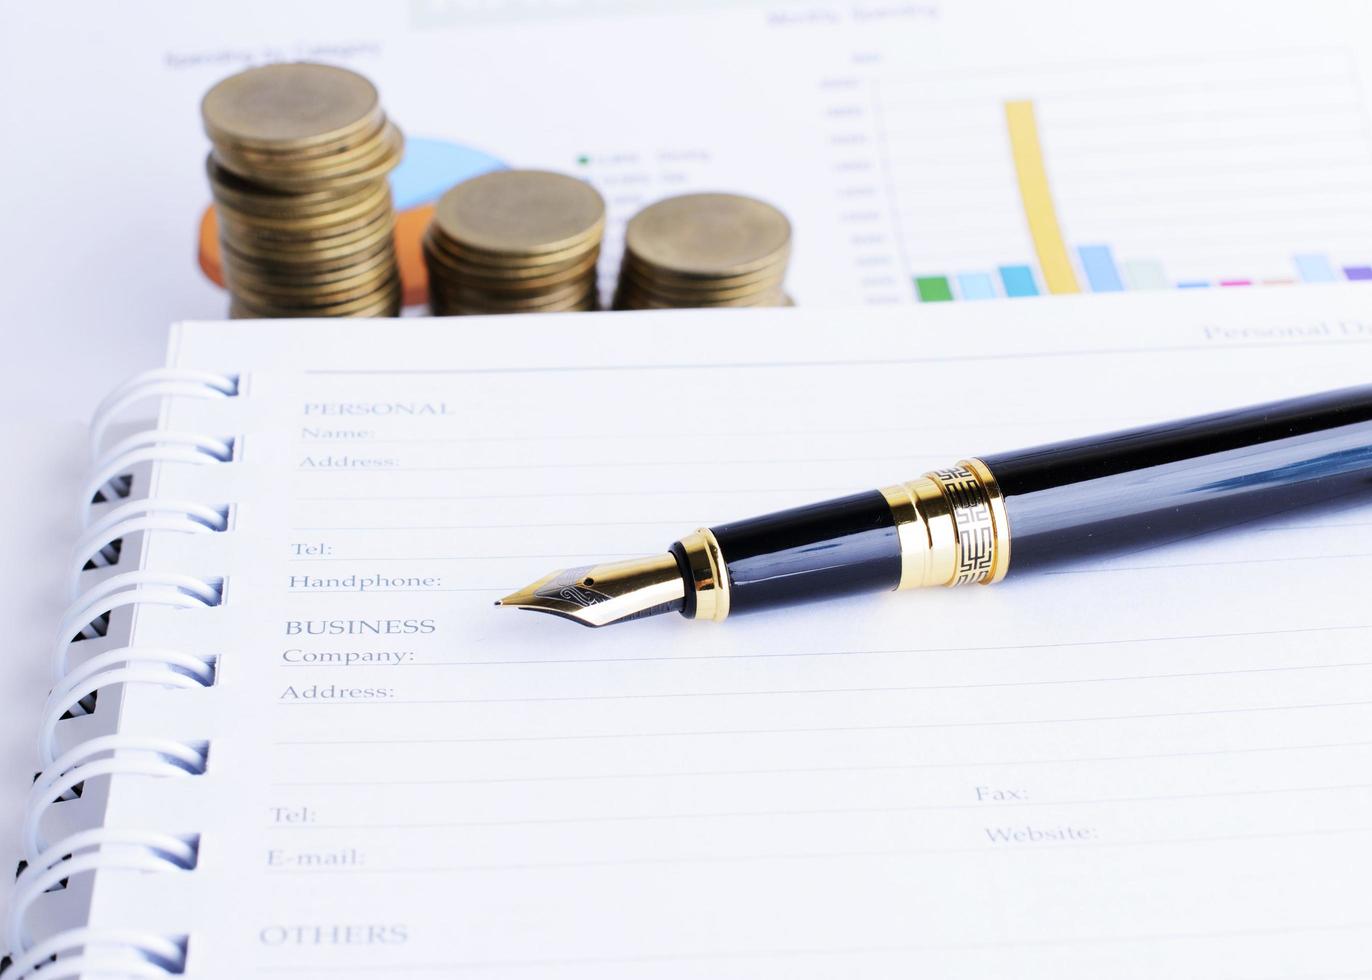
<point>1240,171</point>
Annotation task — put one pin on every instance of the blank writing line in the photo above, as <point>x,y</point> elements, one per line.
<point>910,651</point>
<point>821,729</point>
<point>808,770</point>
<point>673,522</point>
<point>501,527</point>
<point>591,555</point>
<point>444,588</point>
<point>622,464</point>
<point>822,811</point>
<point>562,495</point>
<point>700,859</point>
<point>878,689</point>
<point>714,437</point>
<point>879,363</point>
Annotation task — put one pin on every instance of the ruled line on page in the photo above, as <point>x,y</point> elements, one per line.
<point>733,491</point>
<point>806,770</point>
<point>706,733</point>
<point>873,689</point>
<point>895,459</point>
<point>1225,351</point>
<point>718,859</point>
<point>984,648</point>
<point>980,807</point>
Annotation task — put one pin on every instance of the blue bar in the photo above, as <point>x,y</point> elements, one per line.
<point>1193,284</point>
<point>1099,266</point>
<point>1314,267</point>
<point>1018,280</point>
<point>976,285</point>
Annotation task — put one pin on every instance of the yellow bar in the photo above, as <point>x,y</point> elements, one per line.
<point>1038,199</point>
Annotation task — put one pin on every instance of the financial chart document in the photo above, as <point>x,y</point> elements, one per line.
<point>926,152</point>
<point>1151,765</point>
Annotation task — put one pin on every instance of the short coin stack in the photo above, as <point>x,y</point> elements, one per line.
<point>515,241</point>
<point>704,250</point>
<point>298,171</point>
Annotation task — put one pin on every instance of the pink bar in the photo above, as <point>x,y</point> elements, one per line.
<point>1236,282</point>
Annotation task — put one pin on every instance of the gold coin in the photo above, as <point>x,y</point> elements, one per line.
<point>309,156</point>
<point>273,205</point>
<point>512,276</point>
<point>589,302</point>
<point>354,242</point>
<point>512,280</point>
<point>476,297</point>
<point>630,300</point>
<point>773,272</point>
<point>700,292</point>
<point>247,196</point>
<point>708,235</point>
<point>244,283</point>
<point>293,264</point>
<point>378,149</point>
<point>270,275</point>
<point>355,172</point>
<point>512,265</point>
<point>306,232</point>
<point>378,195</point>
<point>290,106</point>
<point>386,294</point>
<point>521,213</point>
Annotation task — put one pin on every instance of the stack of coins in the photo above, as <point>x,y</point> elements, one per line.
<point>298,172</point>
<point>704,250</point>
<point>515,241</point>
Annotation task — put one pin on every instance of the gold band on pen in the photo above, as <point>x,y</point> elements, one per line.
<point>952,527</point>
<point>709,577</point>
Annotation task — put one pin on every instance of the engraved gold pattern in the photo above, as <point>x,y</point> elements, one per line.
<point>952,527</point>
<point>976,533</point>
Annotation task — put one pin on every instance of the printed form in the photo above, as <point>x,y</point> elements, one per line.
<point>1155,765</point>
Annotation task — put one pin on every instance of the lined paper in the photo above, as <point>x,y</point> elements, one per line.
<point>1158,764</point>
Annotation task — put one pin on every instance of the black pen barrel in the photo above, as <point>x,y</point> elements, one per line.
<point>976,520</point>
<point>1147,486</point>
<point>822,550</point>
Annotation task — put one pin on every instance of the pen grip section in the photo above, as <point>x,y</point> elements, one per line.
<point>1148,486</point>
<point>837,547</point>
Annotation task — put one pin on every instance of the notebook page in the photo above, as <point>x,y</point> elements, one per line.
<point>1153,765</point>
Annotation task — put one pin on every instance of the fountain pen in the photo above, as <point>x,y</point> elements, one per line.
<point>984,517</point>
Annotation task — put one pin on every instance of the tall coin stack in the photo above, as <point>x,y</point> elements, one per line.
<point>298,172</point>
<point>704,250</point>
<point>515,241</point>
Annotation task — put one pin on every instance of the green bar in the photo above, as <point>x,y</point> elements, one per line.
<point>933,289</point>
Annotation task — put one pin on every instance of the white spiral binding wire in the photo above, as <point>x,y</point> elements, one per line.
<point>139,515</point>
<point>86,851</point>
<point>124,951</point>
<point>148,447</point>
<point>127,755</point>
<point>164,668</point>
<point>82,951</point>
<point>126,589</point>
<point>158,383</point>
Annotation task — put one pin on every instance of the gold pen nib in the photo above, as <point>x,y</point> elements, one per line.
<point>613,592</point>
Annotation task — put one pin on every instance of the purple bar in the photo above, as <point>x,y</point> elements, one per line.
<point>1236,282</point>
<point>1358,271</point>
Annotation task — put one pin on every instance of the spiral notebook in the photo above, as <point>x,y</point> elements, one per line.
<point>290,736</point>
